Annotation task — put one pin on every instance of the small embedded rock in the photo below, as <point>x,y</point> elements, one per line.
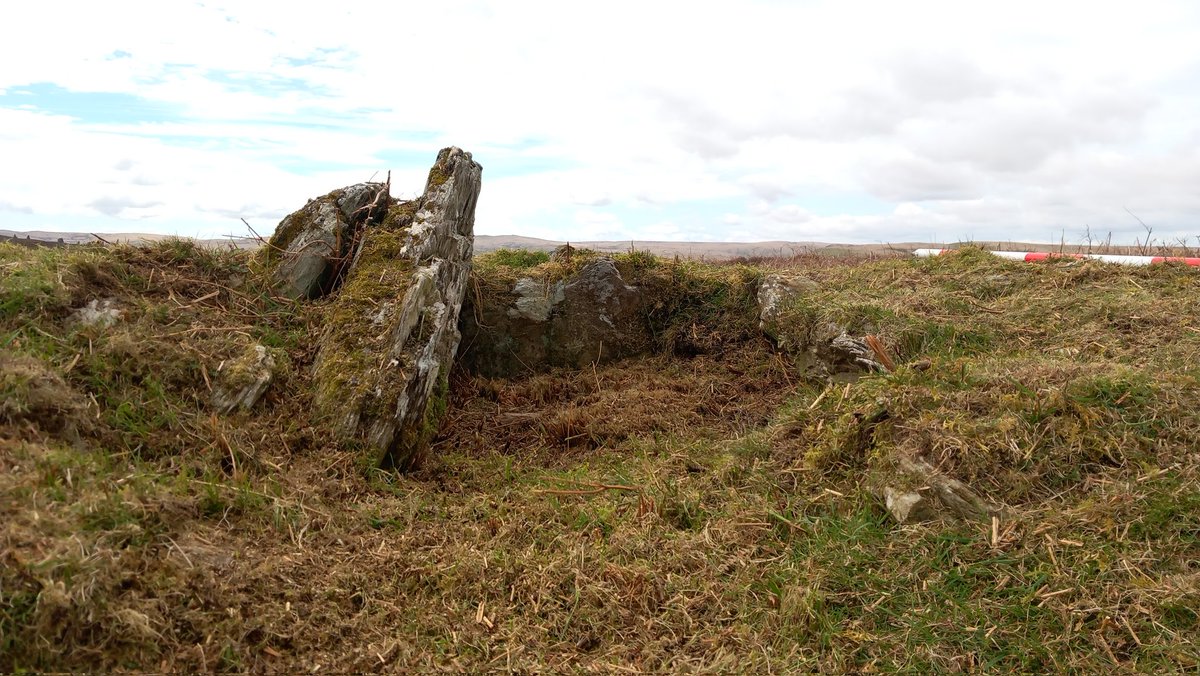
<point>102,313</point>
<point>534,301</point>
<point>824,350</point>
<point>946,497</point>
<point>774,293</point>
<point>311,244</point>
<point>907,506</point>
<point>243,382</point>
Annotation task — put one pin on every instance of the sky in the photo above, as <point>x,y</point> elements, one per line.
<point>850,121</point>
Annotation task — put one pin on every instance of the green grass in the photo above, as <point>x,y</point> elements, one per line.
<point>519,259</point>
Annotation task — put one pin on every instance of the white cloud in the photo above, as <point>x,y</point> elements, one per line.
<point>1015,119</point>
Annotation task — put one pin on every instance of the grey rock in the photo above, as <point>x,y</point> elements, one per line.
<point>384,360</point>
<point>592,317</point>
<point>825,351</point>
<point>600,318</point>
<point>310,245</point>
<point>242,382</point>
<point>949,497</point>
<point>102,313</point>
<point>907,506</point>
<point>774,293</point>
<point>855,350</point>
<point>534,301</point>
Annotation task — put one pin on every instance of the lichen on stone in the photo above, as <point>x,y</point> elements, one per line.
<point>392,327</point>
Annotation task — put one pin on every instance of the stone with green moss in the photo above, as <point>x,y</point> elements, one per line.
<point>392,328</point>
<point>243,381</point>
<point>311,247</point>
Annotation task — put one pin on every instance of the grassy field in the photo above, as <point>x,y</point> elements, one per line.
<point>707,509</point>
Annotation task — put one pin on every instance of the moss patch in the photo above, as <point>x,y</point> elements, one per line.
<point>354,344</point>
<point>690,306</point>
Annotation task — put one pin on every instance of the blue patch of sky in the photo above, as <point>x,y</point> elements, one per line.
<point>322,57</point>
<point>165,73</point>
<point>217,143</point>
<point>517,165</point>
<point>405,158</point>
<point>264,84</point>
<point>515,159</point>
<point>307,166</point>
<point>522,145</point>
<point>342,120</point>
<point>89,107</point>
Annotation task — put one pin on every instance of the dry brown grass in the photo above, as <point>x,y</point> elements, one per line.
<point>711,513</point>
<point>703,397</point>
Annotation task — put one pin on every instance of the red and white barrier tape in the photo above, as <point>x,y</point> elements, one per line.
<point>1042,256</point>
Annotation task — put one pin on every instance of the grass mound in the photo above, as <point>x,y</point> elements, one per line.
<point>702,507</point>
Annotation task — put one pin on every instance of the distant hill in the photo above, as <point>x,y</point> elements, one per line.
<point>64,238</point>
<point>698,250</point>
<point>713,250</point>
<point>710,250</point>
<point>486,243</point>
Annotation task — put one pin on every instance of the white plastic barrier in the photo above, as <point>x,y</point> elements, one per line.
<point>1043,255</point>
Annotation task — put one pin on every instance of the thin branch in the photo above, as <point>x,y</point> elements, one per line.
<point>254,232</point>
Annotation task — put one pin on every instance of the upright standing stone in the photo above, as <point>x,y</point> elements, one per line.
<point>392,331</point>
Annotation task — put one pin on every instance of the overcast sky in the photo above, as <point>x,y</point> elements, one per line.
<point>846,121</point>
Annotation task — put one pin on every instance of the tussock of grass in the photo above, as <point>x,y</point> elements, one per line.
<point>704,509</point>
<point>516,258</point>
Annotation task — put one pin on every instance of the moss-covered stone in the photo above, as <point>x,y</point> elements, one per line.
<point>244,380</point>
<point>392,329</point>
<point>529,319</point>
<point>353,350</point>
<point>312,247</point>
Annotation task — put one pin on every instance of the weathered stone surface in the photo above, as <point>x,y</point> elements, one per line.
<point>773,293</point>
<point>827,352</point>
<point>103,313</point>
<point>824,350</point>
<point>534,301</point>
<point>947,496</point>
<point>242,382</point>
<point>391,336</point>
<point>843,353</point>
<point>600,314</point>
<point>908,506</point>
<point>311,245</point>
<point>592,317</point>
